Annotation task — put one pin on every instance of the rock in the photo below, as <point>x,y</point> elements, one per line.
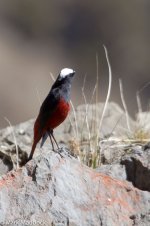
<point>143,119</point>
<point>52,190</point>
<point>138,168</point>
<point>114,122</point>
<point>111,153</point>
<point>131,163</point>
<point>142,219</point>
<point>62,191</point>
<point>115,170</point>
<point>8,157</point>
<point>23,133</point>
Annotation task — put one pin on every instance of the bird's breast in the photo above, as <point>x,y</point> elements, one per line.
<point>60,114</point>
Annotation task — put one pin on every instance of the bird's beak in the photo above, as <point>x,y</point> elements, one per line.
<point>72,74</point>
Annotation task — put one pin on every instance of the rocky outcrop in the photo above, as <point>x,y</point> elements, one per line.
<point>137,166</point>
<point>51,190</point>
<point>62,191</point>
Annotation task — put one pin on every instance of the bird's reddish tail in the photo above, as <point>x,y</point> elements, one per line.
<point>32,150</point>
<point>37,137</point>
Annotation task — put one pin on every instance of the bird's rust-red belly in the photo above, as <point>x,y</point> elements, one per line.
<point>59,115</point>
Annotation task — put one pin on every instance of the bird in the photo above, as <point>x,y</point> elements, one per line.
<point>53,110</point>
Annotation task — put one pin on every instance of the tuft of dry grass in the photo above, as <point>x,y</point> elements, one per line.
<point>16,145</point>
<point>89,151</point>
<point>141,135</point>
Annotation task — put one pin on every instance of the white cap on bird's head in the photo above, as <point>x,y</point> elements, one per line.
<point>66,72</point>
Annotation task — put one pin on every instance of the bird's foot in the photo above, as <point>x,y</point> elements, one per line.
<point>66,150</point>
<point>29,159</point>
<point>58,152</point>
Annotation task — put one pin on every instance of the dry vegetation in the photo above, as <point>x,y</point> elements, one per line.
<point>91,155</point>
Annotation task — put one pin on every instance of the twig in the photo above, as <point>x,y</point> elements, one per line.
<point>93,93</point>
<point>138,102</point>
<point>15,141</point>
<point>86,111</point>
<point>97,77</point>
<point>143,87</point>
<point>52,76</point>
<point>138,96</point>
<point>96,100</point>
<point>113,129</point>
<point>71,123</point>
<point>109,89</point>
<point>124,105</point>
<point>75,118</point>
<point>115,139</point>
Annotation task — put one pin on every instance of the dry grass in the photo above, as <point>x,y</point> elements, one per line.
<point>16,145</point>
<point>141,135</point>
<point>89,151</point>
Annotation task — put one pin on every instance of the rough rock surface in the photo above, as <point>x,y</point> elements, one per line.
<point>131,163</point>
<point>54,191</point>
<point>62,191</point>
<point>117,171</point>
<point>137,166</point>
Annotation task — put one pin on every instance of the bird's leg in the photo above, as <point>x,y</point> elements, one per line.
<point>51,141</point>
<point>50,133</point>
<point>55,140</point>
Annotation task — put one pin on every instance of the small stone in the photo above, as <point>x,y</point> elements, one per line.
<point>21,132</point>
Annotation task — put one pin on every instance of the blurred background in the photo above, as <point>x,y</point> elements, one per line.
<point>38,37</point>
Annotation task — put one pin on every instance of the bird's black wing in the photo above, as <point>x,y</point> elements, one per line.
<point>48,107</point>
<point>44,138</point>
